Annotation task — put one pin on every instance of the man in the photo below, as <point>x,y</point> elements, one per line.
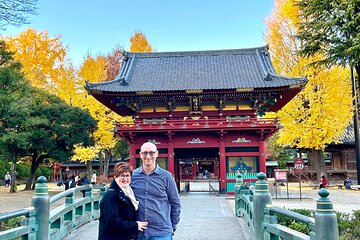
<point>155,189</point>
<point>7,180</point>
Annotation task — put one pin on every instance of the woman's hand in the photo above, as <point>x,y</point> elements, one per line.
<point>142,225</point>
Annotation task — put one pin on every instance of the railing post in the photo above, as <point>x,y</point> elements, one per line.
<point>41,203</point>
<point>102,190</point>
<point>326,226</point>
<point>239,182</point>
<point>262,197</point>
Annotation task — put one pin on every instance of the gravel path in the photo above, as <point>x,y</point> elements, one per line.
<point>21,199</point>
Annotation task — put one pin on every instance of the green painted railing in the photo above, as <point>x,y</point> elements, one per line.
<point>230,184</point>
<point>42,223</point>
<point>254,205</point>
<point>247,175</point>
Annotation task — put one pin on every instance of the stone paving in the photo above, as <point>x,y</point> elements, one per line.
<point>204,216</point>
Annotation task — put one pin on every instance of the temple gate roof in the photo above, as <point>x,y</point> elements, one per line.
<point>196,70</point>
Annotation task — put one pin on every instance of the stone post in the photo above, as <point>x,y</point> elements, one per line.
<point>41,203</point>
<point>326,226</point>
<point>238,184</point>
<point>262,197</point>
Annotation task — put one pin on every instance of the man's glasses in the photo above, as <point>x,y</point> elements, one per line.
<point>151,153</point>
<point>125,176</point>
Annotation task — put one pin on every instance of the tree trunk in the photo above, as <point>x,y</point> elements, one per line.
<point>357,70</point>
<point>89,167</point>
<point>34,166</point>
<point>101,163</point>
<point>13,177</point>
<point>107,163</point>
<point>316,159</point>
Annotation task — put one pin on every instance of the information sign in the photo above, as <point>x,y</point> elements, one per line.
<point>299,165</point>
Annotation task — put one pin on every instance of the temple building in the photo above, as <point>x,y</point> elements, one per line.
<point>201,108</point>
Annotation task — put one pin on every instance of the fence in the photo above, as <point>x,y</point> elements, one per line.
<point>254,204</point>
<point>47,219</point>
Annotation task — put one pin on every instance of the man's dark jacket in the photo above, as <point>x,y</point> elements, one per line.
<point>117,216</point>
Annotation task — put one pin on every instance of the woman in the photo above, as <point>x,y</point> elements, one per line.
<point>118,208</point>
<point>323,182</point>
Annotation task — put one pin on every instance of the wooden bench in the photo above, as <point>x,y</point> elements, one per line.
<point>355,187</point>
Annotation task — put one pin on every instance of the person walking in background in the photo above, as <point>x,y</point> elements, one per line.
<point>156,190</point>
<point>323,182</point>
<point>66,182</point>
<point>7,179</point>
<point>347,183</point>
<point>83,181</point>
<point>118,208</point>
<point>72,181</point>
<point>93,178</point>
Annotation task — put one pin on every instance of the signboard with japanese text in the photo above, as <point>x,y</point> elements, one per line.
<point>299,165</point>
<point>280,174</point>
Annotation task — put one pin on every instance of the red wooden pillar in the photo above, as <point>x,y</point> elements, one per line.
<point>171,162</point>
<point>262,157</point>
<point>194,169</point>
<point>132,155</point>
<point>222,159</point>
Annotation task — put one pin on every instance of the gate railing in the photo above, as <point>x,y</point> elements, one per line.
<point>47,219</point>
<point>255,206</point>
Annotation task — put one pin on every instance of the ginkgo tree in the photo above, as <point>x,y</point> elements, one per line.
<point>323,109</point>
<point>139,43</point>
<point>94,69</point>
<point>42,57</point>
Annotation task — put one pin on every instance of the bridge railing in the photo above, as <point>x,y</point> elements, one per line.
<point>255,206</point>
<point>48,218</point>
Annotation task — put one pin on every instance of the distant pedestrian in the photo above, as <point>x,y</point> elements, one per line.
<point>7,179</point>
<point>347,183</point>
<point>93,178</point>
<point>83,181</point>
<point>72,181</point>
<point>323,182</point>
<point>66,182</point>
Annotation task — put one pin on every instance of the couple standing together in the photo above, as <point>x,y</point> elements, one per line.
<point>148,210</point>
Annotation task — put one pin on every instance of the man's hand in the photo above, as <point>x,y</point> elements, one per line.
<point>142,225</point>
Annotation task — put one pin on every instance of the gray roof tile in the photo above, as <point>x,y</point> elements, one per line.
<point>348,136</point>
<point>218,69</point>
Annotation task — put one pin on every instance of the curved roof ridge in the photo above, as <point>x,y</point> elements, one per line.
<point>274,74</point>
<point>198,53</point>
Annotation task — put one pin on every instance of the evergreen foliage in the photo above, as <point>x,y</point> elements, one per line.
<point>331,28</point>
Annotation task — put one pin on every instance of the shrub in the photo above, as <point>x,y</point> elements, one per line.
<point>297,226</point>
<point>348,224</point>
<point>11,223</point>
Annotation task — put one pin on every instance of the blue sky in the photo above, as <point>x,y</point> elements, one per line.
<point>97,26</point>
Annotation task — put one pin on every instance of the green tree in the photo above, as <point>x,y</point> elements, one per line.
<point>122,149</point>
<point>16,12</point>
<point>331,28</point>
<point>54,131</point>
<point>278,152</point>
<point>36,124</point>
<point>13,108</point>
